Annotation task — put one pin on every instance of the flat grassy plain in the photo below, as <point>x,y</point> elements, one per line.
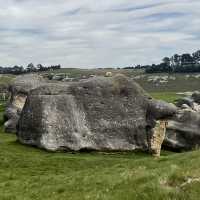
<point>27,173</point>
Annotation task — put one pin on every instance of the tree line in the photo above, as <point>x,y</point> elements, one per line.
<point>177,63</point>
<point>16,70</point>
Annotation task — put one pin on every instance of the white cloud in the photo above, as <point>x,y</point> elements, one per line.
<point>96,33</point>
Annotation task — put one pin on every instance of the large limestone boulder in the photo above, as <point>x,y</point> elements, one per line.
<point>183,131</point>
<point>101,113</point>
<point>19,90</point>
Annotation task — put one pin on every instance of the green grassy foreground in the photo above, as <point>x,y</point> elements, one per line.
<point>28,173</point>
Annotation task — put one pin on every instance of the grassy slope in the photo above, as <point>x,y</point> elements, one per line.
<point>28,173</point>
<point>77,73</point>
<point>166,92</point>
<point>180,84</point>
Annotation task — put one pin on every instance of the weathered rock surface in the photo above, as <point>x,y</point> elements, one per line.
<point>196,97</point>
<point>19,90</point>
<point>96,114</point>
<point>185,100</point>
<point>190,102</point>
<point>183,131</point>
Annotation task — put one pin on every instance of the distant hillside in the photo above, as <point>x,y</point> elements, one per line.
<point>160,85</point>
<point>159,82</point>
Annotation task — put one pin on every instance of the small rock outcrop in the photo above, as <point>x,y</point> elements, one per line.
<point>183,130</point>
<point>101,113</point>
<point>19,90</point>
<point>196,97</point>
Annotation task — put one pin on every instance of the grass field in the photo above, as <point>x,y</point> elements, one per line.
<point>28,173</point>
<point>176,82</point>
<point>5,79</point>
<point>179,82</point>
<point>77,73</point>
<point>170,97</point>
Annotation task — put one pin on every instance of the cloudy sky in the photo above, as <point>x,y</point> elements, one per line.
<point>96,33</point>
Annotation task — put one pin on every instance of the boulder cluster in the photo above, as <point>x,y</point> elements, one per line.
<point>183,130</point>
<point>99,113</point>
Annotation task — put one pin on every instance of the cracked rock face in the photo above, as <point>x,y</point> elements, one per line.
<point>183,130</point>
<point>100,113</point>
<point>19,91</point>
